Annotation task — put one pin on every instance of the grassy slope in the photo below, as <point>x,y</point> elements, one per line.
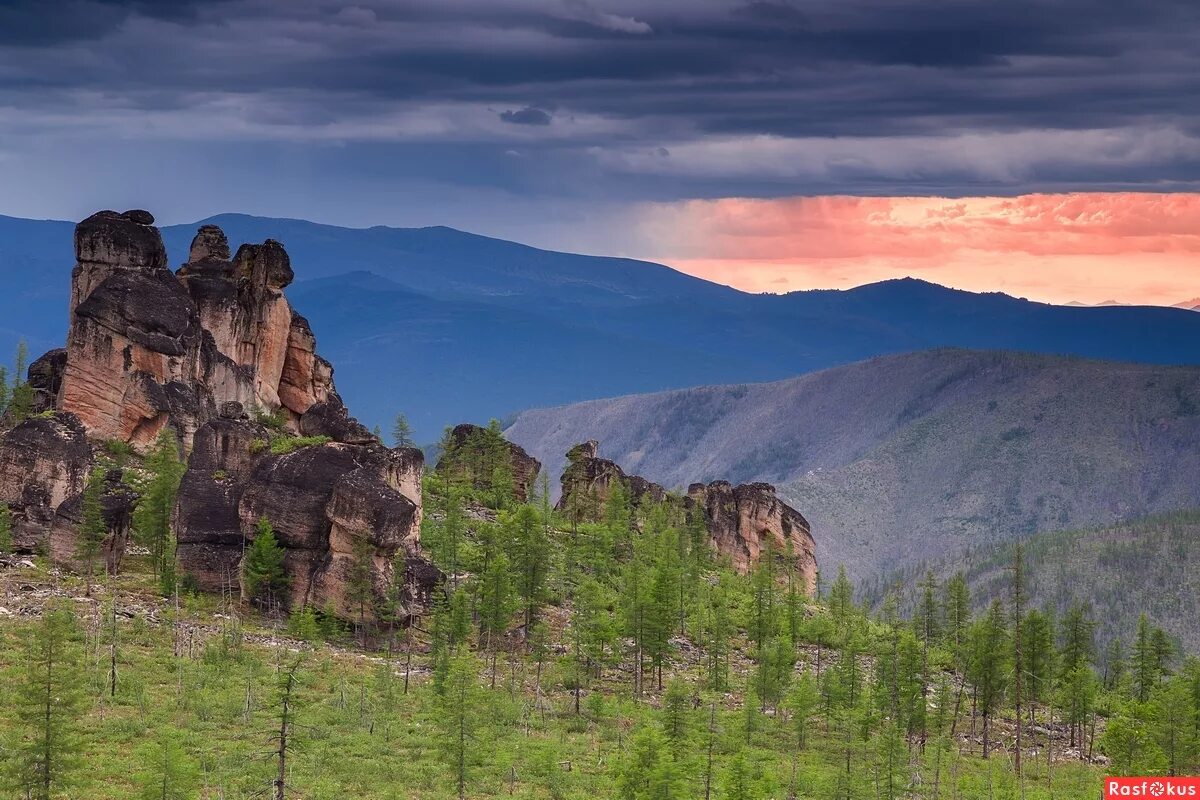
<point>355,742</point>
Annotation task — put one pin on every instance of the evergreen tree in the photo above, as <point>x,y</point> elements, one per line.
<point>718,629</point>
<point>1078,690</point>
<point>1077,645</point>
<point>1038,651</point>
<point>1019,665</point>
<point>802,704</point>
<point>402,432</point>
<point>739,783</point>
<point>1174,725</point>
<point>20,404</point>
<point>989,666</point>
<point>956,612</point>
<point>659,619</point>
<point>648,771</point>
<point>1145,663</point>
<point>48,698</point>
<point>676,718</point>
<point>529,548</point>
<point>360,580</point>
<point>458,719</point>
<point>6,538</point>
<point>167,773</point>
<point>92,528</point>
<point>263,576</point>
<point>841,600</point>
<point>1128,741</point>
<point>1114,664</point>
<point>152,519</point>
<point>496,601</point>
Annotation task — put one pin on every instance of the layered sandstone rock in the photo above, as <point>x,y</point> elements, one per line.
<point>148,348</point>
<point>328,504</point>
<point>192,352</point>
<point>748,520</point>
<point>474,452</point>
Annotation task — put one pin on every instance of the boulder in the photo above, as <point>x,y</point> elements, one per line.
<point>117,503</point>
<point>45,378</point>
<point>43,461</point>
<point>330,418</point>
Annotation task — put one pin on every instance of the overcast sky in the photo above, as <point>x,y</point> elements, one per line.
<point>633,128</point>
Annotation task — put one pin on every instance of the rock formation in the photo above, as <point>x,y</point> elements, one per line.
<point>588,480</point>
<point>742,521</point>
<point>746,520</point>
<point>321,499</point>
<point>149,348</point>
<point>44,461</point>
<point>472,453</point>
<point>192,352</point>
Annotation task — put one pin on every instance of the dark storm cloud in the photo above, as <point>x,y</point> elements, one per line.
<point>760,97</point>
<point>526,116</point>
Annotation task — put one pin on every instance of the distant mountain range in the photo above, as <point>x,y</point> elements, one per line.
<point>906,458</point>
<point>448,326</point>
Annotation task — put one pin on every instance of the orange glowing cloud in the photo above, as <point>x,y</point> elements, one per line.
<point>1085,246</point>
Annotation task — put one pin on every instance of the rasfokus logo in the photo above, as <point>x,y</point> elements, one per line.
<point>1151,787</point>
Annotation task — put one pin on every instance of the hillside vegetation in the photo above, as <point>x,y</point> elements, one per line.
<point>907,458</point>
<point>1149,566</point>
<point>613,658</point>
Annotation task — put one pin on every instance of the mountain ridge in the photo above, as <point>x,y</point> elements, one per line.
<point>538,327</point>
<point>963,447</point>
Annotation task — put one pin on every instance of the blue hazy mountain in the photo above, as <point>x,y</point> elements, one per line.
<point>450,326</point>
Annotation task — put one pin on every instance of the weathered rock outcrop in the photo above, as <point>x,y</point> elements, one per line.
<point>117,503</point>
<point>743,522</point>
<point>150,350</point>
<point>747,520</point>
<point>474,452</point>
<point>329,505</point>
<point>43,461</point>
<point>588,480</point>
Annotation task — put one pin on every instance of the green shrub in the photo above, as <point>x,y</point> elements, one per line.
<point>289,444</point>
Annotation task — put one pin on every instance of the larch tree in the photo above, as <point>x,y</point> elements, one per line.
<point>459,718</point>
<point>6,538</point>
<point>48,696</point>
<point>263,575</point>
<point>529,553</point>
<point>989,666</point>
<point>402,435</point>
<point>92,528</point>
<point>152,519</point>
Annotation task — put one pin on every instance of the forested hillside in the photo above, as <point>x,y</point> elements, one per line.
<point>905,458</point>
<point>1148,566</point>
<point>605,658</point>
